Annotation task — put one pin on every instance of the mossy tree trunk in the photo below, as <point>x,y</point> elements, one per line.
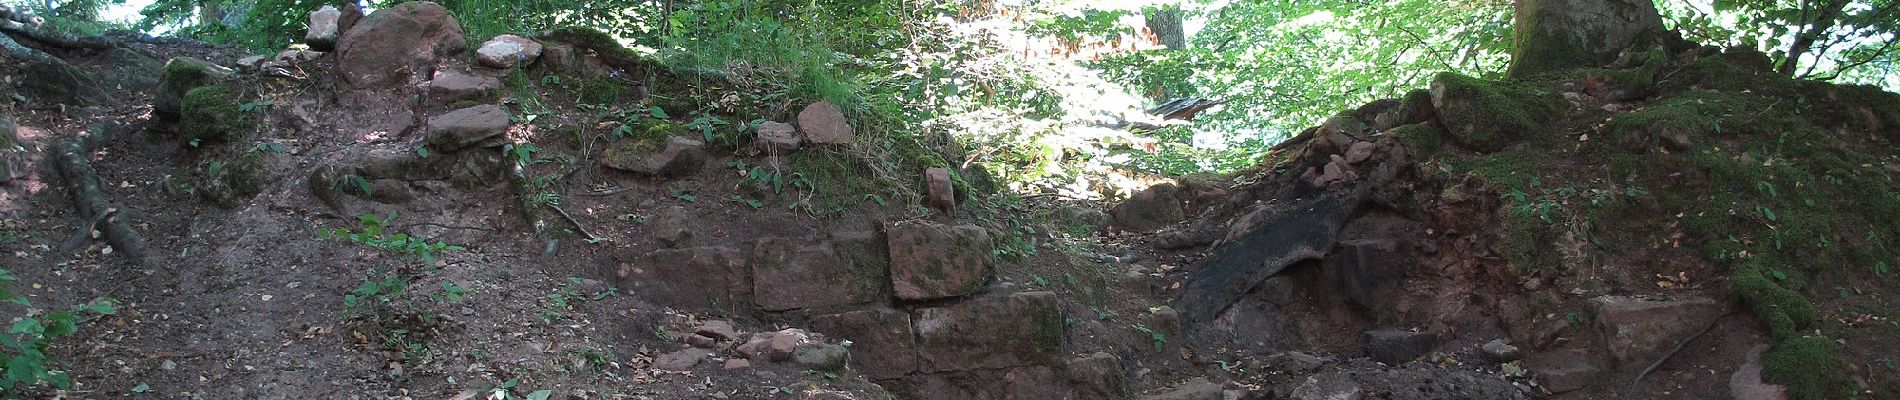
<point>1562,34</point>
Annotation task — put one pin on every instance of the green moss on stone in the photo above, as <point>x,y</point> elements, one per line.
<point>1784,310</point>
<point>210,114</point>
<point>1424,140</point>
<point>1807,366</point>
<point>1487,116</point>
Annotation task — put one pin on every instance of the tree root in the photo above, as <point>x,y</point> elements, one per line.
<point>576,222</point>
<point>1631,392</point>
<point>113,226</point>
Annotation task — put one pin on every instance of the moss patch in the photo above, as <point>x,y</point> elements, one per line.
<point>1488,116</point>
<point>230,184</point>
<point>1808,367</point>
<point>1423,140</point>
<point>210,114</point>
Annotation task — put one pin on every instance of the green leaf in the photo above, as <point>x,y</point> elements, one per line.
<point>28,326</point>
<point>540,394</point>
<point>101,306</point>
<point>61,324</point>
<point>1778,275</point>
<point>657,112</point>
<point>141,388</point>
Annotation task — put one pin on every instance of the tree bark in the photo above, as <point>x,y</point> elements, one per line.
<point>1804,41</point>
<point>1555,35</point>
<point>1166,24</point>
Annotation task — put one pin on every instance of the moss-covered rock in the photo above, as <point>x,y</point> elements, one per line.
<point>1807,366</point>
<point>1416,107</point>
<point>1621,85</point>
<point>230,184</point>
<point>1486,116</point>
<point>1423,140</point>
<point>211,114</point>
<point>181,75</point>
<point>1783,309</point>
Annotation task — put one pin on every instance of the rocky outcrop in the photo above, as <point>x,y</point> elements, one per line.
<point>394,45</point>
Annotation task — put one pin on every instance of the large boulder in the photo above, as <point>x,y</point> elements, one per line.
<point>698,278</point>
<point>324,29</point>
<point>933,261</point>
<point>792,274</point>
<point>886,349</point>
<point>395,44</point>
<point>467,127</point>
<point>1637,330</point>
<point>824,123</point>
<point>1020,329</point>
<point>1150,210</point>
<point>508,51</point>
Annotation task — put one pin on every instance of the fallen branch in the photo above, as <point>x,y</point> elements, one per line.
<point>54,38</point>
<point>577,223</point>
<point>113,226</point>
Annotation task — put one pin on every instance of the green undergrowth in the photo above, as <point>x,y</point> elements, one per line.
<point>1760,172</point>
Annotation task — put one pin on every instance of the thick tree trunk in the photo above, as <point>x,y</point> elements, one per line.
<point>1562,34</point>
<point>1166,24</point>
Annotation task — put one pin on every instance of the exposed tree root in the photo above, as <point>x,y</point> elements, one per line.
<point>1631,393</point>
<point>113,226</point>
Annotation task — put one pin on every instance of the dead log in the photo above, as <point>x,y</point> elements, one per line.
<point>114,226</point>
<point>22,26</point>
